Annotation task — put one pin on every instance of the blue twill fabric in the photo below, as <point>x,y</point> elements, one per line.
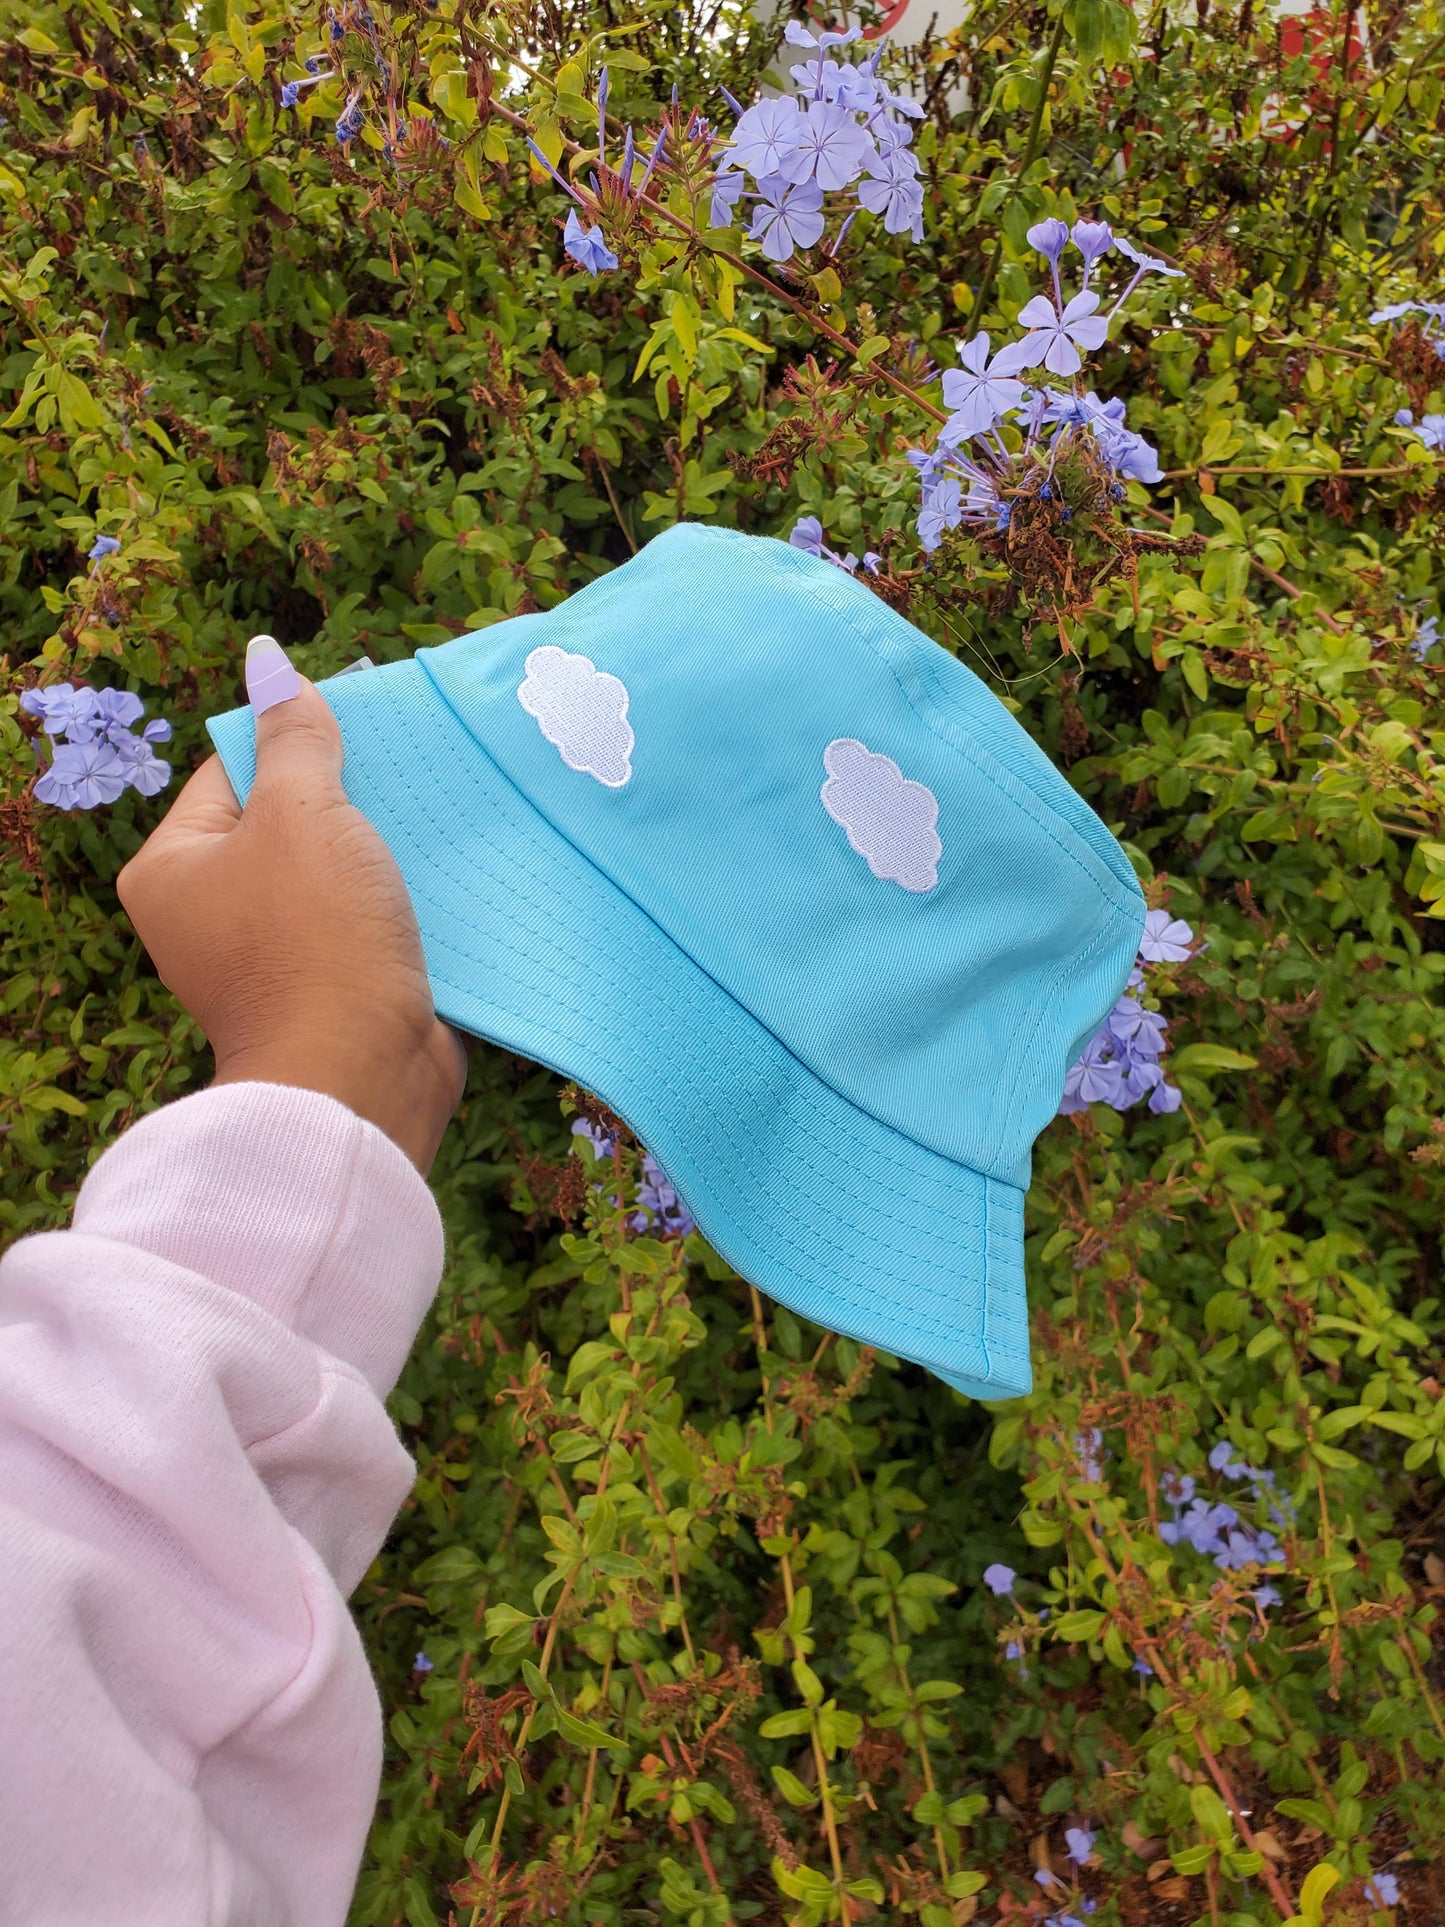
<point>732,844</point>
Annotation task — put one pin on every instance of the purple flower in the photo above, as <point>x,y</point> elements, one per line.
<point>807,535</point>
<point>1432,431</point>
<point>1248,1546</point>
<point>63,710</point>
<point>797,35</point>
<point>978,393</point>
<point>766,136</point>
<point>1055,339</point>
<point>858,87</point>
<point>1266,1596</point>
<point>1080,1843</point>
<point>1166,939</point>
<point>82,776</point>
<point>1382,1890</point>
<point>587,246</point>
<point>1094,1078</point>
<point>421,1664</point>
<point>1091,238</point>
<point>999,1579</point>
<point>942,509</point>
<point>893,191</point>
<point>144,770</point>
<point>659,1207</point>
<point>830,147</point>
<point>790,216</point>
<point>351,121</point>
<point>1165,1098</point>
<point>104,545</point>
<point>1013,1650</point>
<point>1202,1526</point>
<point>1127,453</point>
<point>1142,1668</point>
<point>1426,636</point>
<point>116,710</point>
<point>1403,417</point>
<point>601,1141</point>
<point>1049,238</point>
<point>1144,263</point>
<point>1177,1488</point>
<point>726,191</point>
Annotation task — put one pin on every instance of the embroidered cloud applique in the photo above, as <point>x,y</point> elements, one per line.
<point>583,710</point>
<point>889,818</point>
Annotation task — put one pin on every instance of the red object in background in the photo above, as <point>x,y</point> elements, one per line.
<point>889,21</point>
<point>1317,33</point>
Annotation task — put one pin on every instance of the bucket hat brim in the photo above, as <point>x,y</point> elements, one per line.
<point>528,943</point>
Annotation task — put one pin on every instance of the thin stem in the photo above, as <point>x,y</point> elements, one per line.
<point>1324,474</point>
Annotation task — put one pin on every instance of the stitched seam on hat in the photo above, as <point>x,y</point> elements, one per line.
<point>987,1280</point>
<point>983,760</point>
<point>1078,960</point>
<point>927,1325</point>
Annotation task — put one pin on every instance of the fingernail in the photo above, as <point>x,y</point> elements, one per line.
<point>270,676</point>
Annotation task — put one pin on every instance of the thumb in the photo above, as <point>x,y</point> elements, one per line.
<point>298,743</point>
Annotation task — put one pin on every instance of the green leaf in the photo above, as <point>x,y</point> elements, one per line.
<point>1078,1625</point>
<point>792,1788</point>
<point>586,1733</point>
<point>1201,1060</point>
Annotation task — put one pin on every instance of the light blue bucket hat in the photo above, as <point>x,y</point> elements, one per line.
<point>737,848</point>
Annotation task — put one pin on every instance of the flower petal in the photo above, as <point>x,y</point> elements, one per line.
<point>1081,305</point>
<point>1039,313</point>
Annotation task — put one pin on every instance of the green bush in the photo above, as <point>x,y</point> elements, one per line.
<point>700,1587</point>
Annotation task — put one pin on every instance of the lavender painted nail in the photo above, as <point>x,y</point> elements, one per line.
<point>270,677</point>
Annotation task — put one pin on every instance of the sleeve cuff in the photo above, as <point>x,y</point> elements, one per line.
<point>288,1199</point>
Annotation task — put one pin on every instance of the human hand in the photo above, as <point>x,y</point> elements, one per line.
<point>286,930</point>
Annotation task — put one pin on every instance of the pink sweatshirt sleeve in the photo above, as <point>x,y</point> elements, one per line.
<point>196,1468</point>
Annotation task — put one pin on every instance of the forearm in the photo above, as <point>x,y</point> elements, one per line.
<point>195,1468</point>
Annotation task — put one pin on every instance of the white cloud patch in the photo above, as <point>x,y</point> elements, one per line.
<point>583,710</point>
<point>890,820</point>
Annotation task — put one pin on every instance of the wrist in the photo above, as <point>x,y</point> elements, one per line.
<point>407,1086</point>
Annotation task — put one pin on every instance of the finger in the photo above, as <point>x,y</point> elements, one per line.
<point>298,743</point>
<point>207,806</point>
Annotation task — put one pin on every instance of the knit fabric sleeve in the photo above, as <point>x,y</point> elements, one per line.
<point>196,1468</point>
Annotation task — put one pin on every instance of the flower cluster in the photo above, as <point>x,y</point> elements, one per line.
<point>617,191</point>
<point>1120,1064</point>
<point>808,536</point>
<point>659,1208</point>
<point>1427,634</point>
<point>353,17</point>
<point>99,754</point>
<point>1216,1529</point>
<point>843,127</point>
<point>1043,423</point>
